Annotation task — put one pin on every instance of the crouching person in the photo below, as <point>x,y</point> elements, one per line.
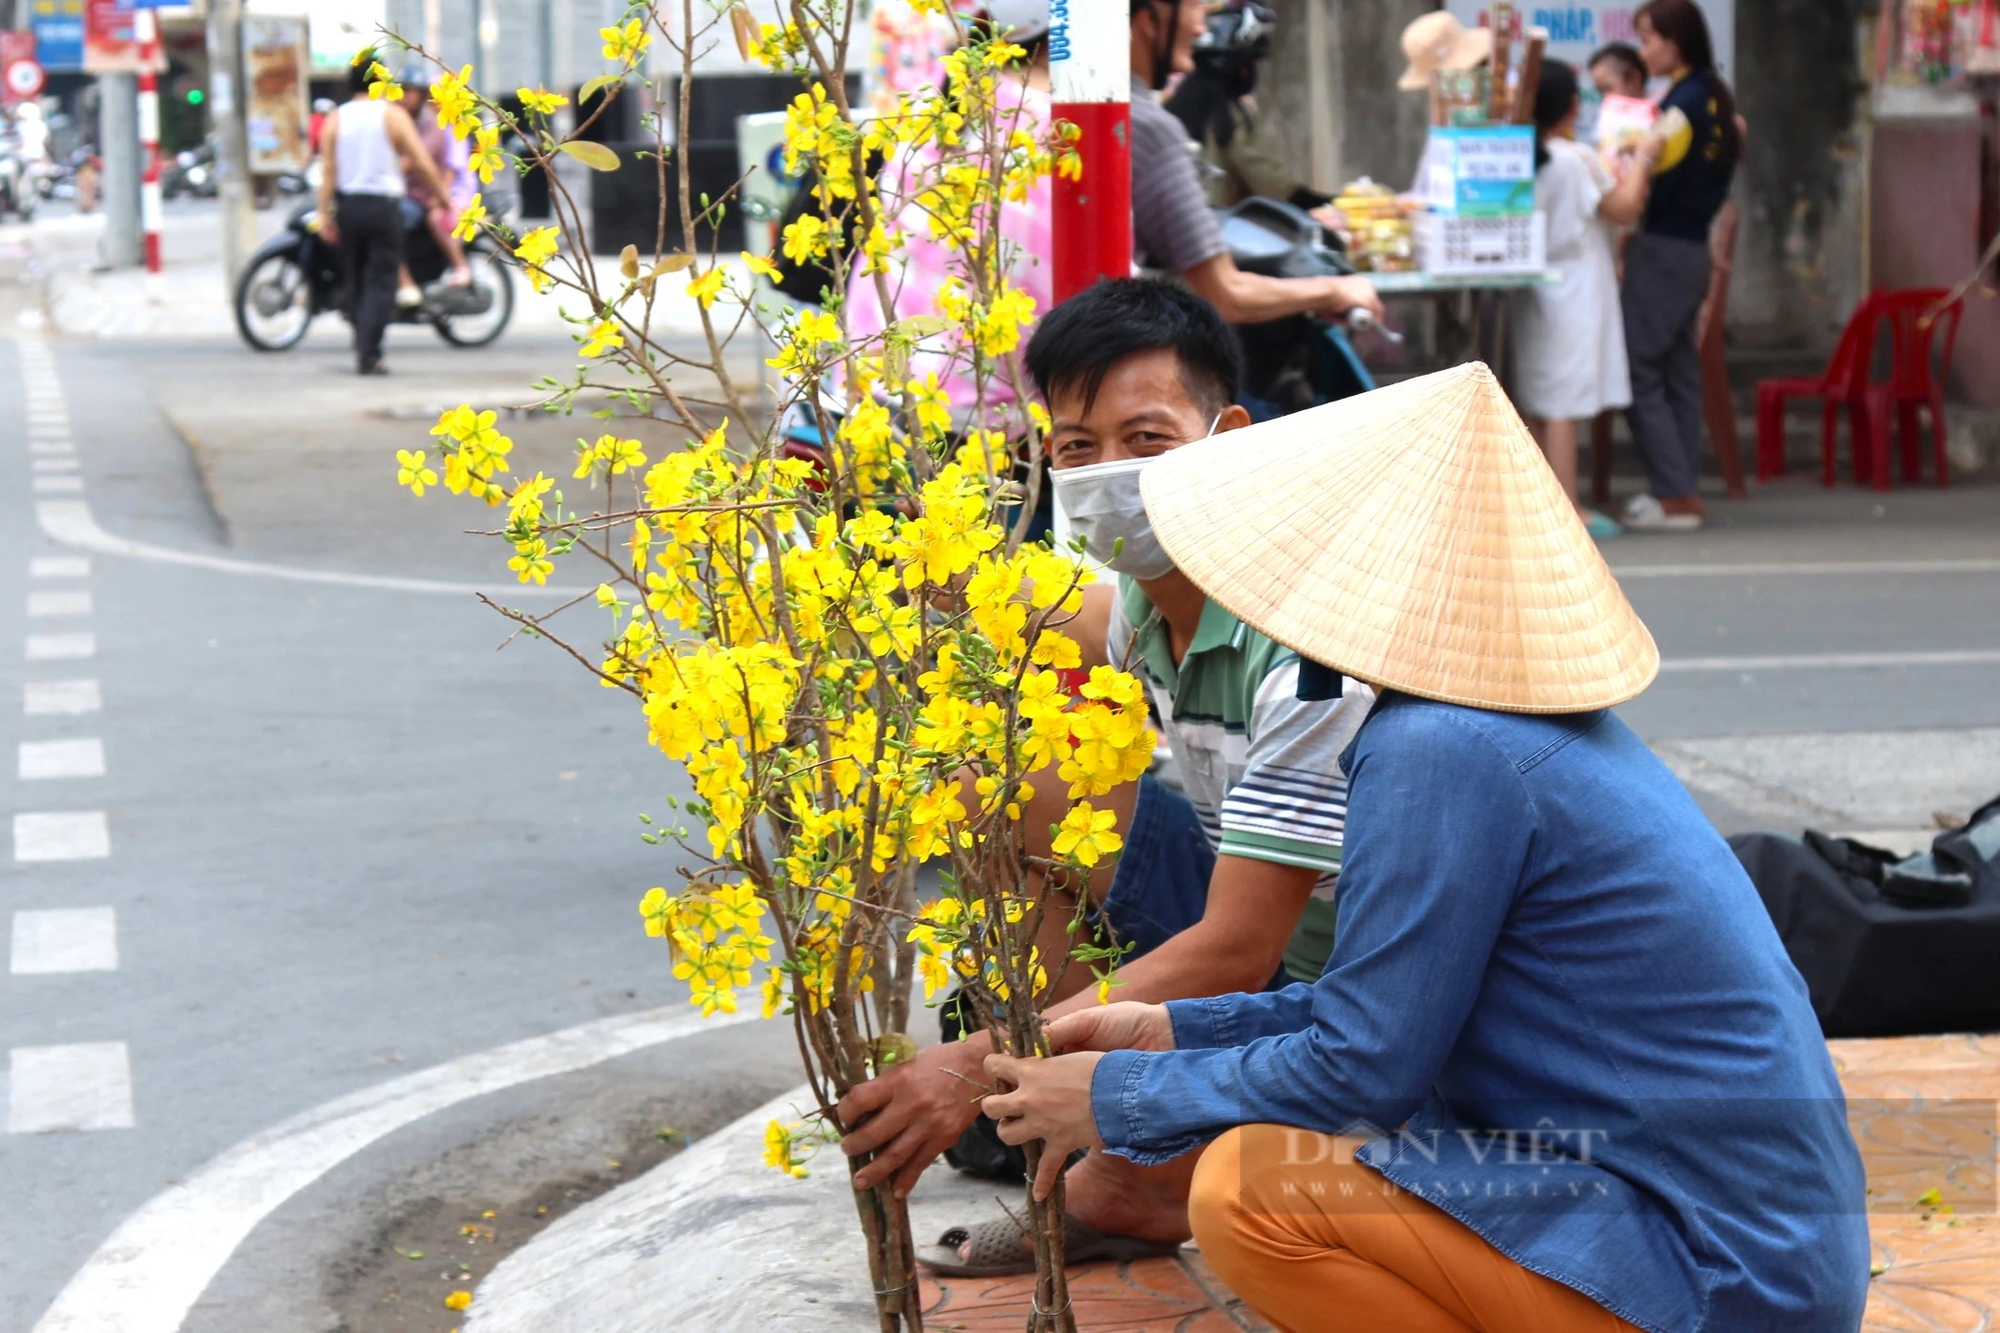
<point>1558,1073</point>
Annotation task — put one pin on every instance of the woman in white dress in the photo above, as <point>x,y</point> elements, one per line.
<point>1569,338</point>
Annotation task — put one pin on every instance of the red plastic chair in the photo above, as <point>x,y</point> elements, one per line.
<point>1913,318</point>
<point>1843,384</point>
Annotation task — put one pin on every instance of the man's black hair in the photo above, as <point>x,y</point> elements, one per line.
<point>1079,341</point>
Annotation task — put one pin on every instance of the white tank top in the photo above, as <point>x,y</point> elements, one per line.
<point>365,161</point>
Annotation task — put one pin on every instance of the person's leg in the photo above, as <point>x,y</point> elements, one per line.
<point>1665,282</point>
<point>382,256</point>
<point>1558,444</point>
<point>1683,380</point>
<point>441,223</point>
<point>1313,1241</point>
<point>1600,459</point>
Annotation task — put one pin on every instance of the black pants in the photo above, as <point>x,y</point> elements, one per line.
<point>371,251</point>
<point>1666,280</point>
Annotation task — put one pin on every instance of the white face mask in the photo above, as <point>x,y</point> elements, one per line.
<point>1103,506</point>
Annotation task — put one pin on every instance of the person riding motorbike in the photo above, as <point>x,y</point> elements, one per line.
<point>1215,102</point>
<point>1173,228</point>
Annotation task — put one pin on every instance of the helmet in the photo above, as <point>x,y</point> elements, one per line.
<point>1019,20</point>
<point>29,110</point>
<point>1238,34</point>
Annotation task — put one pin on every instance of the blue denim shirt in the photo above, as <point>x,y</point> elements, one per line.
<point>1558,1011</point>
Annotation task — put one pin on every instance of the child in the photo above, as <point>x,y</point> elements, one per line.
<point>1570,338</point>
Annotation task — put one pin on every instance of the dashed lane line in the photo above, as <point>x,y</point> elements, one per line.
<point>61,698</point>
<point>63,940</point>
<point>66,602</point>
<point>61,647</point>
<point>86,1086</point>
<point>61,835</point>
<point>78,757</point>
<point>59,567</point>
<point>1833,661</point>
<point>150,1271</point>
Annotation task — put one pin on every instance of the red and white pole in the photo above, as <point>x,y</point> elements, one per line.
<point>1090,82</point>
<point>146,35</point>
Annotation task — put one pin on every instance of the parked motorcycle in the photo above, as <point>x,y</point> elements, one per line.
<point>192,172</point>
<point>18,194</point>
<point>1302,361</point>
<point>296,275</point>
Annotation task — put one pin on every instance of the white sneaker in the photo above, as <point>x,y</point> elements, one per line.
<point>408,297</point>
<point>1645,514</point>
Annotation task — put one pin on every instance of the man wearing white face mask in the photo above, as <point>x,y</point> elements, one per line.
<point>1224,886</point>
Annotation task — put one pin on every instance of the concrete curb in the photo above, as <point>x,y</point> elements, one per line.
<point>714,1241</point>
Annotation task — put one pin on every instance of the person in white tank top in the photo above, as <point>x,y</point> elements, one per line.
<point>361,204</point>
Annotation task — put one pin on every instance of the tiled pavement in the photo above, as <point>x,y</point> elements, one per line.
<point>1923,1109</point>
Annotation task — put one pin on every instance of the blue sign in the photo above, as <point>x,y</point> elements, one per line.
<point>58,28</point>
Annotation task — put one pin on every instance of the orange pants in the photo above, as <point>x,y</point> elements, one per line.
<point>1315,1242</point>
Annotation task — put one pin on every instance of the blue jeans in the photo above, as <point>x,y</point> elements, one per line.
<point>1161,885</point>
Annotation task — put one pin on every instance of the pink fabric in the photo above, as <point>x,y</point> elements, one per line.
<point>1025,227</point>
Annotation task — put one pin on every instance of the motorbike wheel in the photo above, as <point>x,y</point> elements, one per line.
<point>478,330</point>
<point>274,303</point>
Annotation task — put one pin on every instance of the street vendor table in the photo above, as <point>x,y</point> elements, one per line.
<point>1472,308</point>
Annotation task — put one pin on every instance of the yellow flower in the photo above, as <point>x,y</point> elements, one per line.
<point>817,328</point>
<point>760,266</point>
<point>929,404</point>
<point>1086,836</point>
<point>602,337</point>
<point>412,472</point>
<point>541,100</point>
<point>486,155</point>
<point>625,44</point>
<point>458,1300</point>
<point>536,249</point>
<point>457,105</point>
<point>383,86</point>
<point>468,221</point>
<point>525,503</point>
<point>531,562</point>
<point>706,287</point>
<point>806,239</point>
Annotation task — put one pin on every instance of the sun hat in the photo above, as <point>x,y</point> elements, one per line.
<point>1413,538</point>
<point>1439,41</point>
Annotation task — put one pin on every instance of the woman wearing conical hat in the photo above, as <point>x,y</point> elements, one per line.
<point>1558,1073</point>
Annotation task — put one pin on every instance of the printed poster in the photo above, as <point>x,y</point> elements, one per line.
<point>276,109</point>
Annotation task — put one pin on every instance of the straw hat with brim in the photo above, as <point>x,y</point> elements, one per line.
<point>1413,538</point>
<point>1439,41</point>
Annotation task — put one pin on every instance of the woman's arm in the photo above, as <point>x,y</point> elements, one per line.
<point>1437,834</point>
<point>1625,203</point>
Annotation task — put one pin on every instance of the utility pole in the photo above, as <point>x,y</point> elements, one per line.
<point>1090,84</point>
<point>123,245</point>
<point>225,105</point>
<point>152,212</point>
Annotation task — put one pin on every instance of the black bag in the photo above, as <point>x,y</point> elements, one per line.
<point>1888,946</point>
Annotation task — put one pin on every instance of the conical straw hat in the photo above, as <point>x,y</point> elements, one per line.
<point>1413,538</point>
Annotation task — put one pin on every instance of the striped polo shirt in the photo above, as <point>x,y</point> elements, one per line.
<point>1260,767</point>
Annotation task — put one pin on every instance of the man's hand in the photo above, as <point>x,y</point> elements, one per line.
<point>1050,1102</point>
<point>1349,294</point>
<point>914,1111</point>
<point>1114,1027</point>
<point>329,230</point>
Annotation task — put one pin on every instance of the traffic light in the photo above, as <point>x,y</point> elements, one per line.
<point>196,97</point>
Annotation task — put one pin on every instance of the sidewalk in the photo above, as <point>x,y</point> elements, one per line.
<point>715,1241</point>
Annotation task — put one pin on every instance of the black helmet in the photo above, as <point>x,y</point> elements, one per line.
<point>1238,34</point>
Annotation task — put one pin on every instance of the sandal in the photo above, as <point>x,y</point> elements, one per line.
<point>996,1249</point>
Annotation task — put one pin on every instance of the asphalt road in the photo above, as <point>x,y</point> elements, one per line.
<point>346,840</point>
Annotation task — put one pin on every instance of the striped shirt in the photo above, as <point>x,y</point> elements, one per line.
<point>1172,225</point>
<point>1260,767</point>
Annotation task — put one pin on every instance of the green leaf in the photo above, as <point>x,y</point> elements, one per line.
<point>597,85</point>
<point>593,155</point>
<point>921,326</point>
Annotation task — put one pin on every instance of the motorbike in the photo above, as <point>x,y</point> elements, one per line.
<point>1301,361</point>
<point>296,275</point>
<point>192,172</point>
<point>18,193</point>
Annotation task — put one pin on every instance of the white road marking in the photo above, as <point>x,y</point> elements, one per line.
<point>1834,661</point>
<point>86,1086</point>
<point>71,523</point>
<point>147,1275</point>
<point>54,446</point>
<point>46,485</point>
<point>68,464</point>
<point>59,567</point>
<point>55,698</point>
<point>1807,568</point>
<point>68,939</point>
<point>78,757</point>
<point>70,602</point>
<point>62,835</point>
<point>60,647</point>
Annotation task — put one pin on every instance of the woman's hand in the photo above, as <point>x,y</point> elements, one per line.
<point>1050,1101</point>
<point>1127,1026</point>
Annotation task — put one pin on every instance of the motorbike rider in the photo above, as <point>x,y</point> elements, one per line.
<point>1215,103</point>
<point>1173,228</point>
<point>440,215</point>
<point>362,150</point>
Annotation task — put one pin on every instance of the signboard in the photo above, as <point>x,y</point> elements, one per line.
<point>1578,29</point>
<point>276,112</point>
<point>20,79</point>
<point>58,29</point>
<point>1479,172</point>
<point>342,27</point>
<point>110,45</point>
